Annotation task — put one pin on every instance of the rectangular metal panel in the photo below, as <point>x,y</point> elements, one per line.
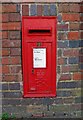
<point>39,77</point>
<point>39,56</point>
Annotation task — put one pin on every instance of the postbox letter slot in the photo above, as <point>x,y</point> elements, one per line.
<point>36,31</point>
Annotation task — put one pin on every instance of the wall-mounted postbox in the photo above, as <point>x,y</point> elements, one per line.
<point>39,56</point>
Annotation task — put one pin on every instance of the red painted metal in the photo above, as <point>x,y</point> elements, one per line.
<point>39,33</point>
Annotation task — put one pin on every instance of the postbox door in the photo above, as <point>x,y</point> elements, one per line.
<point>39,68</point>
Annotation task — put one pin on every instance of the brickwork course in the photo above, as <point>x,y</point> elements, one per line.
<point>68,102</point>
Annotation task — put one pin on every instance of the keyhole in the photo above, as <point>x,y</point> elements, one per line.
<point>32,71</point>
<point>38,44</point>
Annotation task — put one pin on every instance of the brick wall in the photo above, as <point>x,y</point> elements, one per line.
<point>67,104</point>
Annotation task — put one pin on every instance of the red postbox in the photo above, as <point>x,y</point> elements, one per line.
<point>39,56</point>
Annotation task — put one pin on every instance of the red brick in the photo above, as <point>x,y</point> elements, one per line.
<point>0,53</point>
<point>19,76</point>
<point>62,27</point>
<point>81,26</point>
<point>81,52</point>
<point>14,17</point>
<point>6,43</point>
<point>9,8</point>
<point>5,60</point>
<point>5,17</point>
<point>65,7</point>
<point>71,52</point>
<point>74,26</point>
<point>11,60</point>
<point>15,51</point>
<point>14,26</point>
<point>11,26</point>
<point>0,8</point>
<point>70,68</point>
<point>81,59</point>
<point>39,10</point>
<point>74,68</point>
<point>61,61</point>
<point>9,78</point>
<point>65,69</point>
<point>14,35</point>
<point>4,26</point>
<point>15,43</point>
<point>81,18</point>
<point>5,69</point>
<point>1,78</point>
<point>71,17</point>
<point>25,10</point>
<point>60,8</point>
<point>11,43</point>
<point>66,16</point>
<point>0,18</point>
<point>15,60</point>
<point>73,36</point>
<point>5,52</point>
<point>0,26</point>
<point>62,36</point>
<point>1,35</point>
<point>0,69</point>
<point>74,7</point>
<point>0,44</point>
<point>77,76</point>
<point>81,8</point>
<point>65,77</point>
<point>5,34</point>
<point>15,69</point>
<point>81,35</point>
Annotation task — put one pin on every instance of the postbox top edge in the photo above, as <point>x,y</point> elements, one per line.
<point>39,17</point>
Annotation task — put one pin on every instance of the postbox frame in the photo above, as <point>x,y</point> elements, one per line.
<point>54,42</point>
